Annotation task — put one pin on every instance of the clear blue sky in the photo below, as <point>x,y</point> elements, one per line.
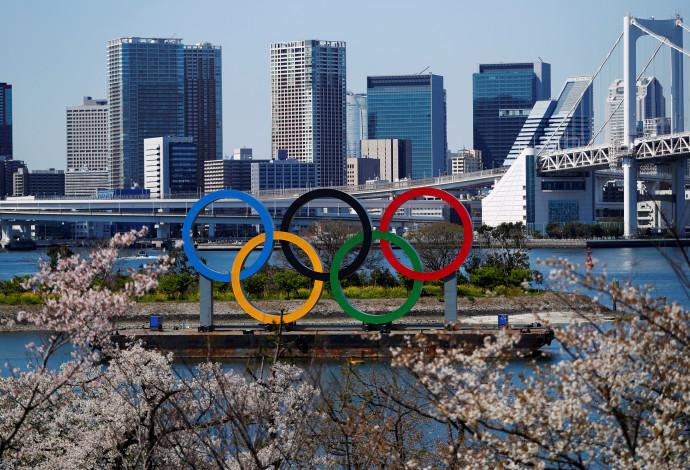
<point>54,52</point>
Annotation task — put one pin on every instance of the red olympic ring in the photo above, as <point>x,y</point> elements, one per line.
<point>466,240</point>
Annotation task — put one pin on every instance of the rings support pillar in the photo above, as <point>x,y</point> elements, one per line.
<point>205,303</point>
<point>450,298</point>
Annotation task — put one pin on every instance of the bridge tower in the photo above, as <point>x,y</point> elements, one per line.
<point>633,29</point>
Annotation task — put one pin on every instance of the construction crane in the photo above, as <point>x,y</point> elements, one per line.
<point>425,69</point>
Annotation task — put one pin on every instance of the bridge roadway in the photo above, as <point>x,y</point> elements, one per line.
<point>375,199</point>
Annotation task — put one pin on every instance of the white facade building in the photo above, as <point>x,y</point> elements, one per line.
<point>163,165</point>
<point>308,105</point>
<point>87,135</point>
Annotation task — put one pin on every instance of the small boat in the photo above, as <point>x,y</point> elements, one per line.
<point>142,254</point>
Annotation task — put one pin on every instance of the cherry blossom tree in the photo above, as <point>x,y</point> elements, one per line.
<point>137,410</point>
<point>619,399</point>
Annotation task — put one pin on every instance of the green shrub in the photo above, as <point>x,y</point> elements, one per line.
<point>396,292</point>
<point>469,291</point>
<point>432,291</point>
<point>488,277</point>
<point>302,294</point>
<point>353,292</point>
<point>373,292</point>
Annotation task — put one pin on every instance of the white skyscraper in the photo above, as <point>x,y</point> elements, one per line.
<point>308,105</point>
<point>87,135</point>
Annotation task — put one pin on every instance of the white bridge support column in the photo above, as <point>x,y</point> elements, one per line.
<point>678,187</point>
<point>629,197</point>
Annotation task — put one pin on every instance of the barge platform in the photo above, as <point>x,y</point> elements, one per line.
<point>324,341</point>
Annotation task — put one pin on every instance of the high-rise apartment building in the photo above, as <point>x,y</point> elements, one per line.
<point>411,107</point>
<point>159,87</point>
<point>87,135</point>
<point>203,109</point>
<point>650,109</point>
<point>502,98</point>
<point>5,121</point>
<point>356,123</point>
<point>308,105</point>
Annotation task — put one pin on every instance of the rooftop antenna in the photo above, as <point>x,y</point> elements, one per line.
<point>540,59</point>
<point>425,69</point>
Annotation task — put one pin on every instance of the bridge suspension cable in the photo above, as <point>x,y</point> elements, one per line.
<point>661,38</point>
<point>579,99</point>
<point>644,69</point>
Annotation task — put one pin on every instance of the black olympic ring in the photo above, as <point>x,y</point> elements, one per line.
<point>334,194</point>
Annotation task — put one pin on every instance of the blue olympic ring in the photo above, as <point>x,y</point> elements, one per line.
<point>194,213</point>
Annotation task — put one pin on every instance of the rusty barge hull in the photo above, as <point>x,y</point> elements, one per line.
<point>325,343</point>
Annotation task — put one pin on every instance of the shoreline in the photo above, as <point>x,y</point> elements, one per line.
<point>554,308</point>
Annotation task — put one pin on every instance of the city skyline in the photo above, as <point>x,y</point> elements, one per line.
<point>45,82</point>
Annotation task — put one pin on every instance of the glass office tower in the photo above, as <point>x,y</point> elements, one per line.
<point>502,98</point>
<point>146,98</point>
<point>411,107</point>
<point>356,123</point>
<point>203,110</point>
<point>5,121</point>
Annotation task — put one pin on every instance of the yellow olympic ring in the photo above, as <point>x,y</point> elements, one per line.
<point>247,306</point>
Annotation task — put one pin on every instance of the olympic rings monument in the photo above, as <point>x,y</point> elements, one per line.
<point>326,341</point>
<point>316,272</point>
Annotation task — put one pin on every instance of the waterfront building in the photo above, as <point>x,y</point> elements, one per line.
<point>227,174</point>
<point>203,102</point>
<point>502,97</point>
<point>465,161</point>
<point>395,157</point>
<point>308,105</point>
<point>523,196</point>
<point>84,182</point>
<point>170,167</point>
<point>49,182</point>
<point>555,124</point>
<point>361,170</point>
<point>410,107</point>
<point>282,174</point>
<point>160,87</point>
<point>356,123</point>
<point>650,109</point>
<point>5,122</point>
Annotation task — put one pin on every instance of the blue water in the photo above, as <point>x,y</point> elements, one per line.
<point>638,265</point>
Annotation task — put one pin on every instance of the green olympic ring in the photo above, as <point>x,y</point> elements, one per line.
<point>345,304</point>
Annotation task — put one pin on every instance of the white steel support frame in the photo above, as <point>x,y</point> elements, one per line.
<point>672,30</point>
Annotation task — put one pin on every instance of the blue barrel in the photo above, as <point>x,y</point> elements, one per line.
<point>502,319</point>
